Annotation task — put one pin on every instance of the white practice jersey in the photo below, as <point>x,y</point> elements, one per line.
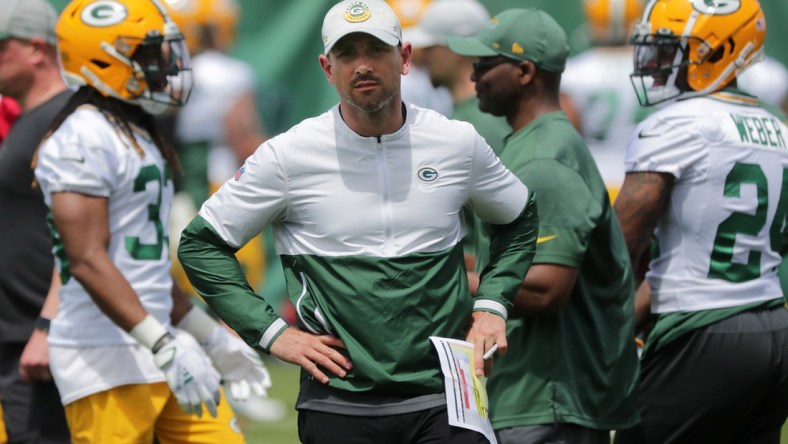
<point>720,237</point>
<point>87,155</point>
<point>598,83</point>
<point>331,192</point>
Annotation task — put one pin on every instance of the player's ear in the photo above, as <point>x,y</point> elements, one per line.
<point>325,64</point>
<point>407,55</point>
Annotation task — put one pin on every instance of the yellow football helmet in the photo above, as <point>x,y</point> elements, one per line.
<point>126,49</point>
<point>409,12</point>
<point>610,21</point>
<point>206,23</point>
<point>689,48</point>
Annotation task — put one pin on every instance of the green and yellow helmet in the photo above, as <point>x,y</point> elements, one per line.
<point>687,48</point>
<point>127,49</point>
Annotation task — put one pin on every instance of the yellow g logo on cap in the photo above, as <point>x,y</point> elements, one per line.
<point>357,12</point>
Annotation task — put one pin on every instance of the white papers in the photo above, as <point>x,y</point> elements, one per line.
<point>466,395</point>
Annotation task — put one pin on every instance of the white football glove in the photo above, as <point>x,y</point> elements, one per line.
<point>187,369</point>
<point>240,366</point>
<point>242,370</point>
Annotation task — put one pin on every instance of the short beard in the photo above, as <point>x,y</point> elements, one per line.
<point>368,107</point>
<point>494,108</point>
<point>500,104</point>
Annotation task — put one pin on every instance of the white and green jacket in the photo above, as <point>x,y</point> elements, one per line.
<point>369,231</point>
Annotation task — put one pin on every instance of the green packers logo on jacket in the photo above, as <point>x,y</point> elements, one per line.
<point>427,174</point>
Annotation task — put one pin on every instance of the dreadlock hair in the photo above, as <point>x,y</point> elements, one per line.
<point>122,115</point>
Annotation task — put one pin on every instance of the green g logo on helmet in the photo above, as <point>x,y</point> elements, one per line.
<point>716,7</point>
<point>103,13</point>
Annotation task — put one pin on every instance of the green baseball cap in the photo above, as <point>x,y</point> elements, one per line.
<point>520,34</point>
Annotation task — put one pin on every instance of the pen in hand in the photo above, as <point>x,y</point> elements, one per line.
<point>488,354</point>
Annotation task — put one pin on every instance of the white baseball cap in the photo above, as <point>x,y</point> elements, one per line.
<point>373,17</point>
<point>26,19</point>
<point>447,18</point>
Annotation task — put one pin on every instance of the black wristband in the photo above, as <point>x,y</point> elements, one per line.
<point>161,342</point>
<point>42,324</point>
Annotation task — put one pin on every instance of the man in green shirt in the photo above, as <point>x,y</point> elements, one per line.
<point>440,21</point>
<point>570,372</point>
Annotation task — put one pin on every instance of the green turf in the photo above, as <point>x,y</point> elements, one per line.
<point>285,387</point>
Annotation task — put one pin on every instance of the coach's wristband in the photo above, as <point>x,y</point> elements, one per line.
<point>148,332</point>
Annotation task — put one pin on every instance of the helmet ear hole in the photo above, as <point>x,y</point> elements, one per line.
<point>717,55</point>
<point>100,64</point>
<point>720,53</point>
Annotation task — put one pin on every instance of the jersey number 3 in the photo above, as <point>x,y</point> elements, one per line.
<point>138,250</point>
<point>722,265</point>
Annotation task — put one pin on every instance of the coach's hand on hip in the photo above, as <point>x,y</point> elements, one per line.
<point>309,351</point>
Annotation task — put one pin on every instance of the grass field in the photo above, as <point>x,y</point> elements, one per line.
<point>285,377</point>
<point>285,388</point>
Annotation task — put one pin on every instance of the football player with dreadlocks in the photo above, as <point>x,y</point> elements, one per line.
<point>124,373</point>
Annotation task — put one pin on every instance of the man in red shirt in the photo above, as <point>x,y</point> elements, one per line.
<point>9,111</point>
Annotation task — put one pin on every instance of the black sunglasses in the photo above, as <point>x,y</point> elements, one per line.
<point>487,63</point>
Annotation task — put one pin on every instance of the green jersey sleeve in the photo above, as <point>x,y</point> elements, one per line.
<point>568,211</point>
